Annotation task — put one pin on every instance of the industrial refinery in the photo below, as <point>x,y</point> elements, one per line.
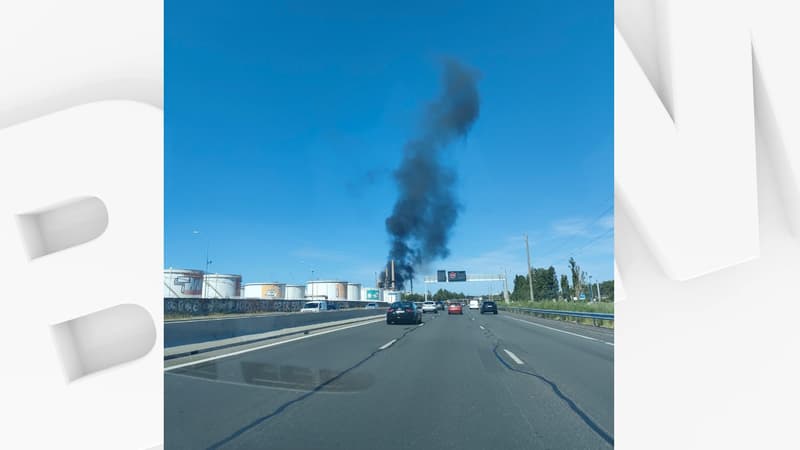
<point>190,283</point>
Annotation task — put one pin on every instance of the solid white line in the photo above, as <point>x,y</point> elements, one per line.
<point>261,347</point>
<point>556,329</point>
<point>387,345</point>
<point>482,327</point>
<point>514,357</point>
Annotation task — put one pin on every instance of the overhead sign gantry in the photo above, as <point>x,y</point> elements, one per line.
<point>456,276</point>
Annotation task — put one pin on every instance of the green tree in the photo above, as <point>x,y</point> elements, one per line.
<point>545,283</point>
<point>444,295</point>
<point>520,292</point>
<point>409,297</point>
<point>564,287</point>
<point>575,271</point>
<point>585,287</point>
<point>551,284</point>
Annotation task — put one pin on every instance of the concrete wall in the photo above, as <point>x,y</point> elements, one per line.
<point>196,331</point>
<point>208,306</point>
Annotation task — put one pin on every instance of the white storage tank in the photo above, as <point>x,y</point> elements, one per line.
<point>392,296</point>
<point>183,283</point>
<point>264,290</point>
<point>326,290</point>
<point>295,292</point>
<point>353,291</point>
<point>217,285</point>
<point>371,294</point>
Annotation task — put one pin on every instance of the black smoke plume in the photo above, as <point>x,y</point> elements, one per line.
<point>427,207</point>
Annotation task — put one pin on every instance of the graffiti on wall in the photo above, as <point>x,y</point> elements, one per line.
<point>211,306</point>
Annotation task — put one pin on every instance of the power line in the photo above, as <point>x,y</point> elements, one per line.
<point>573,238</point>
<point>600,236</point>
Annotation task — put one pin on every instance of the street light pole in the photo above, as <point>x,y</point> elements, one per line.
<point>208,244</point>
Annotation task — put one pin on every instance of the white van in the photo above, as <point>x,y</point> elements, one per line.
<point>315,306</point>
<point>473,304</point>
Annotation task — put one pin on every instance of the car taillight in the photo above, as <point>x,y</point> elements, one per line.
<point>390,310</point>
<point>408,309</point>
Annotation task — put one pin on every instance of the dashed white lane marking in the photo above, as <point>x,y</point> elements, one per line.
<point>560,331</point>
<point>387,345</point>
<point>423,323</point>
<point>513,356</point>
<point>482,327</point>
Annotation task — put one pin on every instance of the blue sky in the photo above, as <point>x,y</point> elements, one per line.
<point>284,121</point>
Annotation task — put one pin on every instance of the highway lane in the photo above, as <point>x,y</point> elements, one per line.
<point>582,369</point>
<point>452,383</point>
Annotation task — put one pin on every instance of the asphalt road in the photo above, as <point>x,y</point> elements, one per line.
<point>186,332</point>
<point>457,382</point>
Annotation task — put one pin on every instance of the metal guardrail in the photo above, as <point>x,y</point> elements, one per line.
<point>596,317</point>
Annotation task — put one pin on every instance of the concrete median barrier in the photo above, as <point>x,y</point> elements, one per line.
<point>180,333</point>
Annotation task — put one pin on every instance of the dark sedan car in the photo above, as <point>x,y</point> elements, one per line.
<point>489,307</point>
<point>403,312</point>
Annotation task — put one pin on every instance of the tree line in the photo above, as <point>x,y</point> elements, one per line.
<point>441,294</point>
<point>547,285</point>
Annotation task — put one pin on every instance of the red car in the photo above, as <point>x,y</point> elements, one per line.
<point>454,308</point>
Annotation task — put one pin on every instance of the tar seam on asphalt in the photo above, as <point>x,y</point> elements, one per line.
<point>585,417</point>
<point>286,405</point>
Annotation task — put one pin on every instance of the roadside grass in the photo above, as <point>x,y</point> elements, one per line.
<point>597,307</point>
<point>594,307</point>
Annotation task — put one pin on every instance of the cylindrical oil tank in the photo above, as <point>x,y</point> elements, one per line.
<point>392,296</point>
<point>295,292</point>
<point>353,291</point>
<point>326,290</point>
<point>371,294</point>
<point>217,285</point>
<point>264,290</point>
<point>182,283</point>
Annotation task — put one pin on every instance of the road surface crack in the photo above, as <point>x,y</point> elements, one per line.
<point>572,405</point>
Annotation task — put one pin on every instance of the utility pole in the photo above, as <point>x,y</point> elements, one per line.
<point>599,297</point>
<point>505,285</point>
<point>530,278</point>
